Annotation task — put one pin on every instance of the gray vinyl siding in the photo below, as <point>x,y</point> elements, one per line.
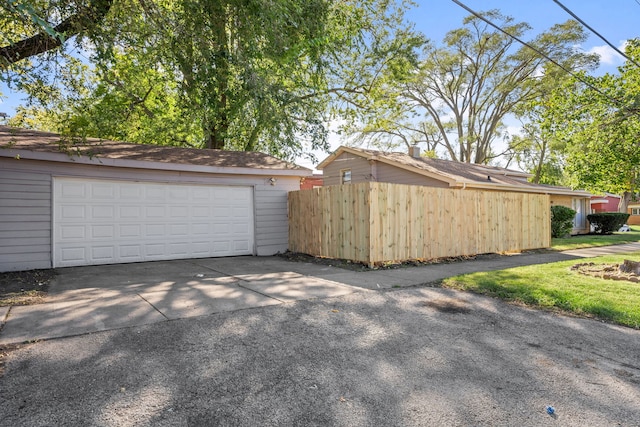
<point>395,175</point>
<point>272,220</point>
<point>25,218</point>
<point>363,171</point>
<point>360,169</point>
<point>25,205</point>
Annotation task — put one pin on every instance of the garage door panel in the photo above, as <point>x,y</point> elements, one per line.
<point>131,251</point>
<point>129,212</point>
<point>73,190</point>
<point>222,247</point>
<point>130,192</point>
<point>200,229</point>
<point>102,212</point>
<point>73,255</point>
<point>155,250</point>
<point>102,253</point>
<point>103,231</point>
<point>99,222</point>
<point>200,212</point>
<point>155,212</point>
<point>103,191</point>
<point>71,232</point>
<point>200,248</point>
<point>179,230</point>
<point>129,231</point>
<point>72,212</point>
<point>155,230</point>
<point>154,192</point>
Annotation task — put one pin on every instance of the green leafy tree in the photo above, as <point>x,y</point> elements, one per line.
<point>600,125</point>
<point>232,74</point>
<point>464,88</point>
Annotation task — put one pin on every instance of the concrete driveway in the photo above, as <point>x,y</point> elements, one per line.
<point>274,353</point>
<point>97,298</point>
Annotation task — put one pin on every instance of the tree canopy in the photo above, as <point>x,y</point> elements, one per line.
<point>233,74</point>
<point>600,128</point>
<point>456,100</point>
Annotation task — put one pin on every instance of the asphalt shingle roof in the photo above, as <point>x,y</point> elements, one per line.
<point>462,173</point>
<point>38,141</point>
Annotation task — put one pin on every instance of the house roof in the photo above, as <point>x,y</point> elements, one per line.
<point>457,174</point>
<point>37,145</point>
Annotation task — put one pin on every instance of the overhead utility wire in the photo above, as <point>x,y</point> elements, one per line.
<point>539,52</point>
<point>566,9</point>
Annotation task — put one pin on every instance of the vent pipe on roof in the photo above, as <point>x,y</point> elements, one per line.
<point>414,151</point>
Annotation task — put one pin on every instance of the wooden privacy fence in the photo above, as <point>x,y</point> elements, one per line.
<point>376,222</point>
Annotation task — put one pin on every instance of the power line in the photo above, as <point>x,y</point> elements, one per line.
<point>544,55</point>
<point>566,9</point>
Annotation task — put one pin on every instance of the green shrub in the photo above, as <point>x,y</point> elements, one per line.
<point>561,220</point>
<point>607,222</point>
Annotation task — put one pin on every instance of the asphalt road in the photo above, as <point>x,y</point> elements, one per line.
<point>410,357</point>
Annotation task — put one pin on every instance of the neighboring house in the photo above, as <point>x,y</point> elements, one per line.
<point>634,212</point>
<point>105,202</point>
<point>605,203</point>
<point>351,165</point>
<point>310,182</point>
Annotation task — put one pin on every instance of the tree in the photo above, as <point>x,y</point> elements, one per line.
<point>465,88</point>
<point>601,129</point>
<point>48,36</point>
<point>539,150</point>
<point>234,74</point>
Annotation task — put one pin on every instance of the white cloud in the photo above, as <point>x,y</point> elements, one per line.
<point>608,56</point>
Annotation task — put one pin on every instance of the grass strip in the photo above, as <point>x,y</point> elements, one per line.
<point>555,287</point>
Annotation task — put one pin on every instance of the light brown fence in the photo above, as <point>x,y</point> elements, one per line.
<point>378,222</point>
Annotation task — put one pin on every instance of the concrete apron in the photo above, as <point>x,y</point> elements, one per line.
<point>97,298</point>
<point>91,299</point>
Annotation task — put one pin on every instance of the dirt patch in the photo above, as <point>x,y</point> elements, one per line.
<point>604,271</point>
<point>24,287</point>
<point>5,349</point>
<point>392,265</point>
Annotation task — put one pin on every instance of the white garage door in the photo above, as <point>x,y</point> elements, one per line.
<point>107,222</point>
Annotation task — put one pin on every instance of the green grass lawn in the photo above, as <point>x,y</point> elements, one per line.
<point>594,240</point>
<point>555,287</point>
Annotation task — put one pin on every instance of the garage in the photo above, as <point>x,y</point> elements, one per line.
<point>88,202</point>
<point>110,222</point>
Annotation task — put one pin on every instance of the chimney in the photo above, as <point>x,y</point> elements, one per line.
<point>414,151</point>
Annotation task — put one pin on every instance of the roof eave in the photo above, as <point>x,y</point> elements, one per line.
<point>503,187</point>
<point>342,149</point>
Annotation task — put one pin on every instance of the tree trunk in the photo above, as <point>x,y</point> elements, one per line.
<point>629,266</point>
<point>624,202</point>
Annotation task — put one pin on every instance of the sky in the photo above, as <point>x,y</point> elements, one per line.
<point>616,20</point>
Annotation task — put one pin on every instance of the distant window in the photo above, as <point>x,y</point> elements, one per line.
<point>345,176</point>
<point>635,211</point>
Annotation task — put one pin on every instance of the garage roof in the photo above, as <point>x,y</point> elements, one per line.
<point>38,145</point>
